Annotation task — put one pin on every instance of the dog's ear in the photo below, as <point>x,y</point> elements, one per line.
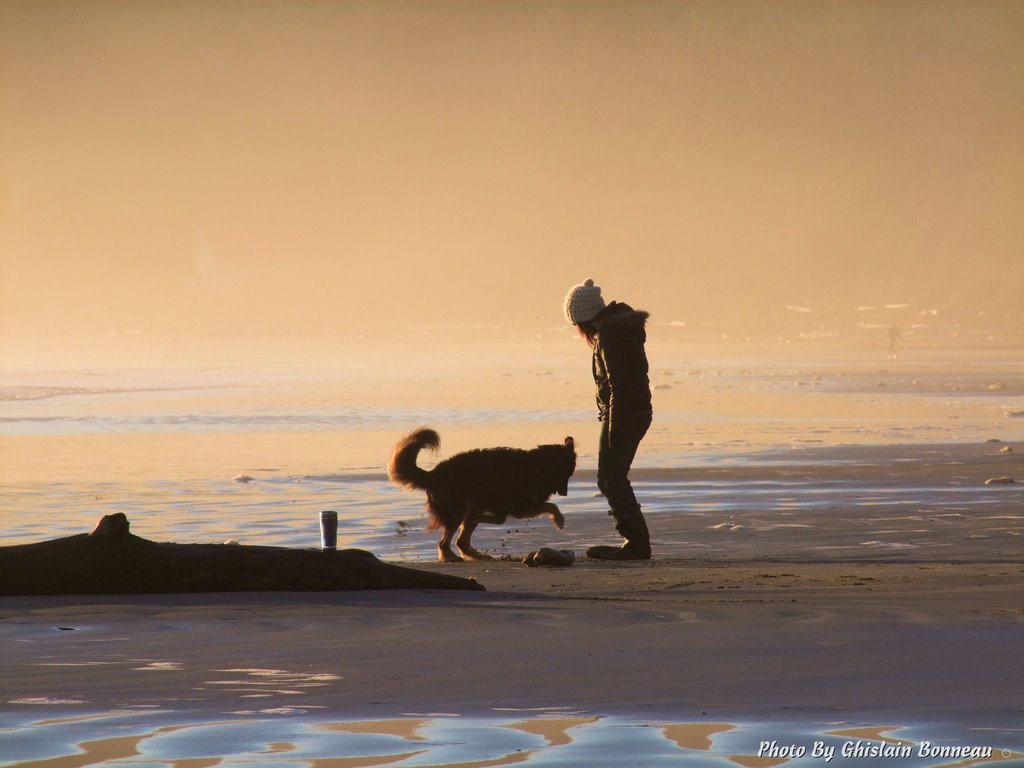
<point>570,443</point>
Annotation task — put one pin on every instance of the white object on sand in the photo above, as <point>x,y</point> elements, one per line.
<point>731,527</point>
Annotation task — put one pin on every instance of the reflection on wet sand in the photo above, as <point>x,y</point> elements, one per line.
<point>360,762</point>
<point>100,751</point>
<point>405,728</point>
<point>699,737</point>
<point>753,761</point>
<point>554,730</point>
<point>873,733</point>
<point>93,753</point>
<point>448,741</point>
<point>694,735</point>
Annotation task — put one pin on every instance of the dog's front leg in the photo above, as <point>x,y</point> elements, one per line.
<point>465,534</point>
<point>549,509</point>
<point>552,511</point>
<point>444,547</point>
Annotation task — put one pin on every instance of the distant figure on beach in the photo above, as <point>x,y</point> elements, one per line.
<point>616,334</point>
<point>894,339</point>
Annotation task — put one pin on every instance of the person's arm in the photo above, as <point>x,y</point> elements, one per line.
<point>618,364</point>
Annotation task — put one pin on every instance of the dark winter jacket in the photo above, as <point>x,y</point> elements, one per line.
<point>620,363</point>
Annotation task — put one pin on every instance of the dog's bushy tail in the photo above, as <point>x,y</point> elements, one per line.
<point>402,468</point>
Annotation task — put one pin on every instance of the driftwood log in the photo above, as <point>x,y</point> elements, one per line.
<point>112,560</point>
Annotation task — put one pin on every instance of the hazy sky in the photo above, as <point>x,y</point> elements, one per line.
<point>302,167</point>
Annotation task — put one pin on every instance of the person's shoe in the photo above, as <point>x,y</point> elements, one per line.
<point>636,547</point>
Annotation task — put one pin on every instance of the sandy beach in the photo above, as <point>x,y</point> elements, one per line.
<point>893,649</point>
<point>874,642</point>
<point>837,547</point>
<point>907,617</point>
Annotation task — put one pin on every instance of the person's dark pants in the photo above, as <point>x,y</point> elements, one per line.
<point>614,461</point>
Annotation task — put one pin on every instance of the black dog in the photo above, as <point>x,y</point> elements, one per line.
<point>486,485</point>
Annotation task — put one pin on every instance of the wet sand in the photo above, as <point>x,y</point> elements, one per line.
<point>808,620</point>
<point>871,642</point>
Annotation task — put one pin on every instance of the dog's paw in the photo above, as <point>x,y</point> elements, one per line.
<point>469,552</point>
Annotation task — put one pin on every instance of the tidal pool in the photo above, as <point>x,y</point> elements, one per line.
<point>548,738</point>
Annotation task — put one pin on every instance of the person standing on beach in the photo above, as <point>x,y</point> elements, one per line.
<point>617,334</point>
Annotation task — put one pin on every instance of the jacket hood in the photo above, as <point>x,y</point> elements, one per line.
<point>618,315</point>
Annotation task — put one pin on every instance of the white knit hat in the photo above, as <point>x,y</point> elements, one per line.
<point>583,302</point>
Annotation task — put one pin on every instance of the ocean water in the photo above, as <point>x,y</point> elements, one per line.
<point>253,453</point>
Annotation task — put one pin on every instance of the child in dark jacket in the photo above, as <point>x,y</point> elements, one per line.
<point>617,333</point>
